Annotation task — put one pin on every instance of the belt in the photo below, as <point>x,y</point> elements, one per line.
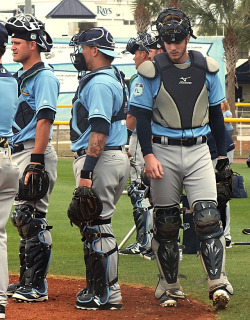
<point>17,147</point>
<point>82,152</point>
<point>185,142</point>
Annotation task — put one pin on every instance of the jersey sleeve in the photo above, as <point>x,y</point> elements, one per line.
<point>143,93</point>
<point>214,89</point>
<point>46,91</point>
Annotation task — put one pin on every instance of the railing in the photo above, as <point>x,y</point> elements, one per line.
<point>242,141</point>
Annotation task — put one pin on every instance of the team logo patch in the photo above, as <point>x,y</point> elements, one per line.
<point>138,91</point>
<point>33,36</point>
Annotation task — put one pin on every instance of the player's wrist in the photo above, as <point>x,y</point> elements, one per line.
<point>37,158</point>
<point>86,174</point>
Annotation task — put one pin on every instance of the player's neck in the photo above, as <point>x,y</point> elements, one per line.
<point>31,61</point>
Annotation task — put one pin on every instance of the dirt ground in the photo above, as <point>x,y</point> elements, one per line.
<point>138,303</point>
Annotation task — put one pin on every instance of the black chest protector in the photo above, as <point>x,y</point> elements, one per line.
<point>182,101</point>
<point>24,112</point>
<point>79,122</point>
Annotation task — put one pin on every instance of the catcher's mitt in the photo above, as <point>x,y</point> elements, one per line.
<point>86,205</point>
<point>224,183</point>
<point>38,183</point>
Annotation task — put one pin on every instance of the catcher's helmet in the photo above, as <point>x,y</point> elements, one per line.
<point>27,27</point>
<point>98,37</point>
<point>248,162</point>
<point>138,43</point>
<point>173,25</point>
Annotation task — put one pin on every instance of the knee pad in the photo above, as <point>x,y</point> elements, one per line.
<point>26,222</point>
<point>207,220</point>
<point>167,223</point>
<point>98,264</point>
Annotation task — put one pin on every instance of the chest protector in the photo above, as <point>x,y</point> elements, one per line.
<point>79,122</point>
<point>24,112</point>
<point>182,100</point>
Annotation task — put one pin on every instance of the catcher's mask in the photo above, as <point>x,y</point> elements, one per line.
<point>95,37</point>
<point>173,25</point>
<point>29,28</point>
<point>141,43</point>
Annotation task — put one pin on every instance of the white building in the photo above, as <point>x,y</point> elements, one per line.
<point>116,16</point>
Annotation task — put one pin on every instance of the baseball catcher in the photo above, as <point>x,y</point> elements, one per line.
<point>224,182</point>
<point>86,205</point>
<point>38,183</point>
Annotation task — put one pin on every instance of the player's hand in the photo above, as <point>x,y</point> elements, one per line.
<point>153,167</point>
<point>85,183</point>
<point>29,173</point>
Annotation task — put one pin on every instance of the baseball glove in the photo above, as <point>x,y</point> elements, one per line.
<point>224,183</point>
<point>38,183</point>
<point>86,205</point>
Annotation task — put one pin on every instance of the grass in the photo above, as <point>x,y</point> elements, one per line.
<point>67,257</point>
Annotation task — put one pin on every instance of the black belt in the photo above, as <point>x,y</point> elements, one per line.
<point>17,147</point>
<point>82,152</point>
<point>185,142</point>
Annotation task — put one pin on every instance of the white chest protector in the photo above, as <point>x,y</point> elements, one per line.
<point>182,100</point>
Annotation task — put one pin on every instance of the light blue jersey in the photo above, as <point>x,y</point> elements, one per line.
<point>145,93</point>
<point>8,94</point>
<point>102,97</point>
<point>39,90</point>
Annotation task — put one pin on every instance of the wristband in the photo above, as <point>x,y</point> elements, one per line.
<point>37,157</point>
<point>86,174</point>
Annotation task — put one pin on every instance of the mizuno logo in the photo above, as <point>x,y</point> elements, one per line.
<point>184,80</point>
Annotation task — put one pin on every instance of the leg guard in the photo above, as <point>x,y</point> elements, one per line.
<point>144,228</point>
<point>22,262</point>
<point>36,245</point>
<point>142,216</point>
<point>38,254</point>
<point>165,246</point>
<point>98,266</point>
<point>210,233</point>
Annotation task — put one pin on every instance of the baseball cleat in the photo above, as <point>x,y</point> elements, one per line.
<point>28,294</point>
<point>148,254</point>
<point>12,288</point>
<point>95,305</point>
<point>86,300</point>
<point>220,299</point>
<point>132,249</point>
<point>167,301</point>
<point>2,312</point>
<point>176,294</point>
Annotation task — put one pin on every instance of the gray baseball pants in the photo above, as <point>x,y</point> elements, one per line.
<point>188,167</point>
<point>109,180</point>
<point>9,174</point>
<point>22,159</point>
